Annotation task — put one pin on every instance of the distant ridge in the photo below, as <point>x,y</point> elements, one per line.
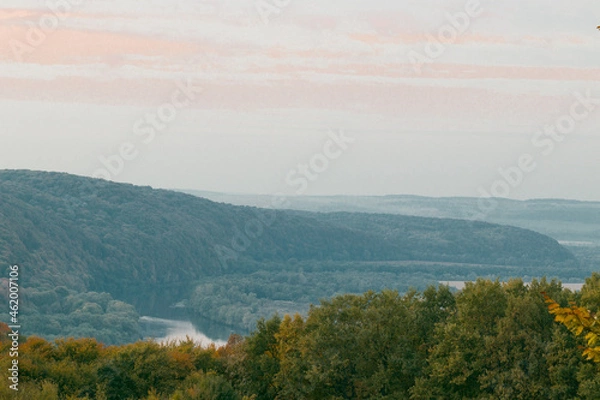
<point>94,234</point>
<point>564,220</point>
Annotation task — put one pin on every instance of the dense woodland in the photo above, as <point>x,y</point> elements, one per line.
<point>489,341</point>
<point>564,220</point>
<point>240,299</point>
<point>86,246</point>
<point>92,234</point>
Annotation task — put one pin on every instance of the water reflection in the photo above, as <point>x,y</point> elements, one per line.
<point>167,330</point>
<point>163,319</point>
<point>460,285</point>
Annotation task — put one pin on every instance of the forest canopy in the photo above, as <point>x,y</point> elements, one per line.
<point>492,340</point>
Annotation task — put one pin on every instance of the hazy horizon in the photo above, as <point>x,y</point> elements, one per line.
<point>426,98</point>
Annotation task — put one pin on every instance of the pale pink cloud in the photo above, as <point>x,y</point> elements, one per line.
<point>13,14</point>
<point>69,46</point>
<point>346,68</point>
<point>290,77</point>
<point>316,22</point>
<point>466,71</point>
<point>408,101</point>
<point>374,38</point>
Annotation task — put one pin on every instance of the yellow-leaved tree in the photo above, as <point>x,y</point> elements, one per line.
<point>581,322</point>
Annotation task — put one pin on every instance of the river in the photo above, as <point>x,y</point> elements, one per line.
<point>163,320</point>
<point>460,285</point>
<point>164,330</point>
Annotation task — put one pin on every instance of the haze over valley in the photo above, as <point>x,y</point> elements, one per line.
<point>299,200</point>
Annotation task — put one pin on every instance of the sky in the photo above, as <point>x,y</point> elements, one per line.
<point>372,97</point>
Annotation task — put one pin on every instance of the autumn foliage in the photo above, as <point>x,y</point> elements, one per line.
<point>492,340</point>
<point>581,322</point>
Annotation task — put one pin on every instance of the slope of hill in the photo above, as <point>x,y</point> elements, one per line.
<point>572,221</point>
<point>95,233</point>
<point>74,235</point>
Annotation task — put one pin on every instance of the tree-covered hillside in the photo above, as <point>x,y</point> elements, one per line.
<point>564,220</point>
<point>94,234</point>
<point>87,235</point>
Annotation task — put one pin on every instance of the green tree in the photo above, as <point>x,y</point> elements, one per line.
<point>133,370</point>
<point>253,363</point>
<point>359,347</point>
<point>201,386</point>
<point>457,359</point>
<point>515,357</point>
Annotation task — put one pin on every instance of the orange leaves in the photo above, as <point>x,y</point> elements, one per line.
<point>579,321</point>
<point>182,360</point>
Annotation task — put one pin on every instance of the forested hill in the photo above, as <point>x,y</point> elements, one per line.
<point>564,220</point>
<point>90,234</point>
